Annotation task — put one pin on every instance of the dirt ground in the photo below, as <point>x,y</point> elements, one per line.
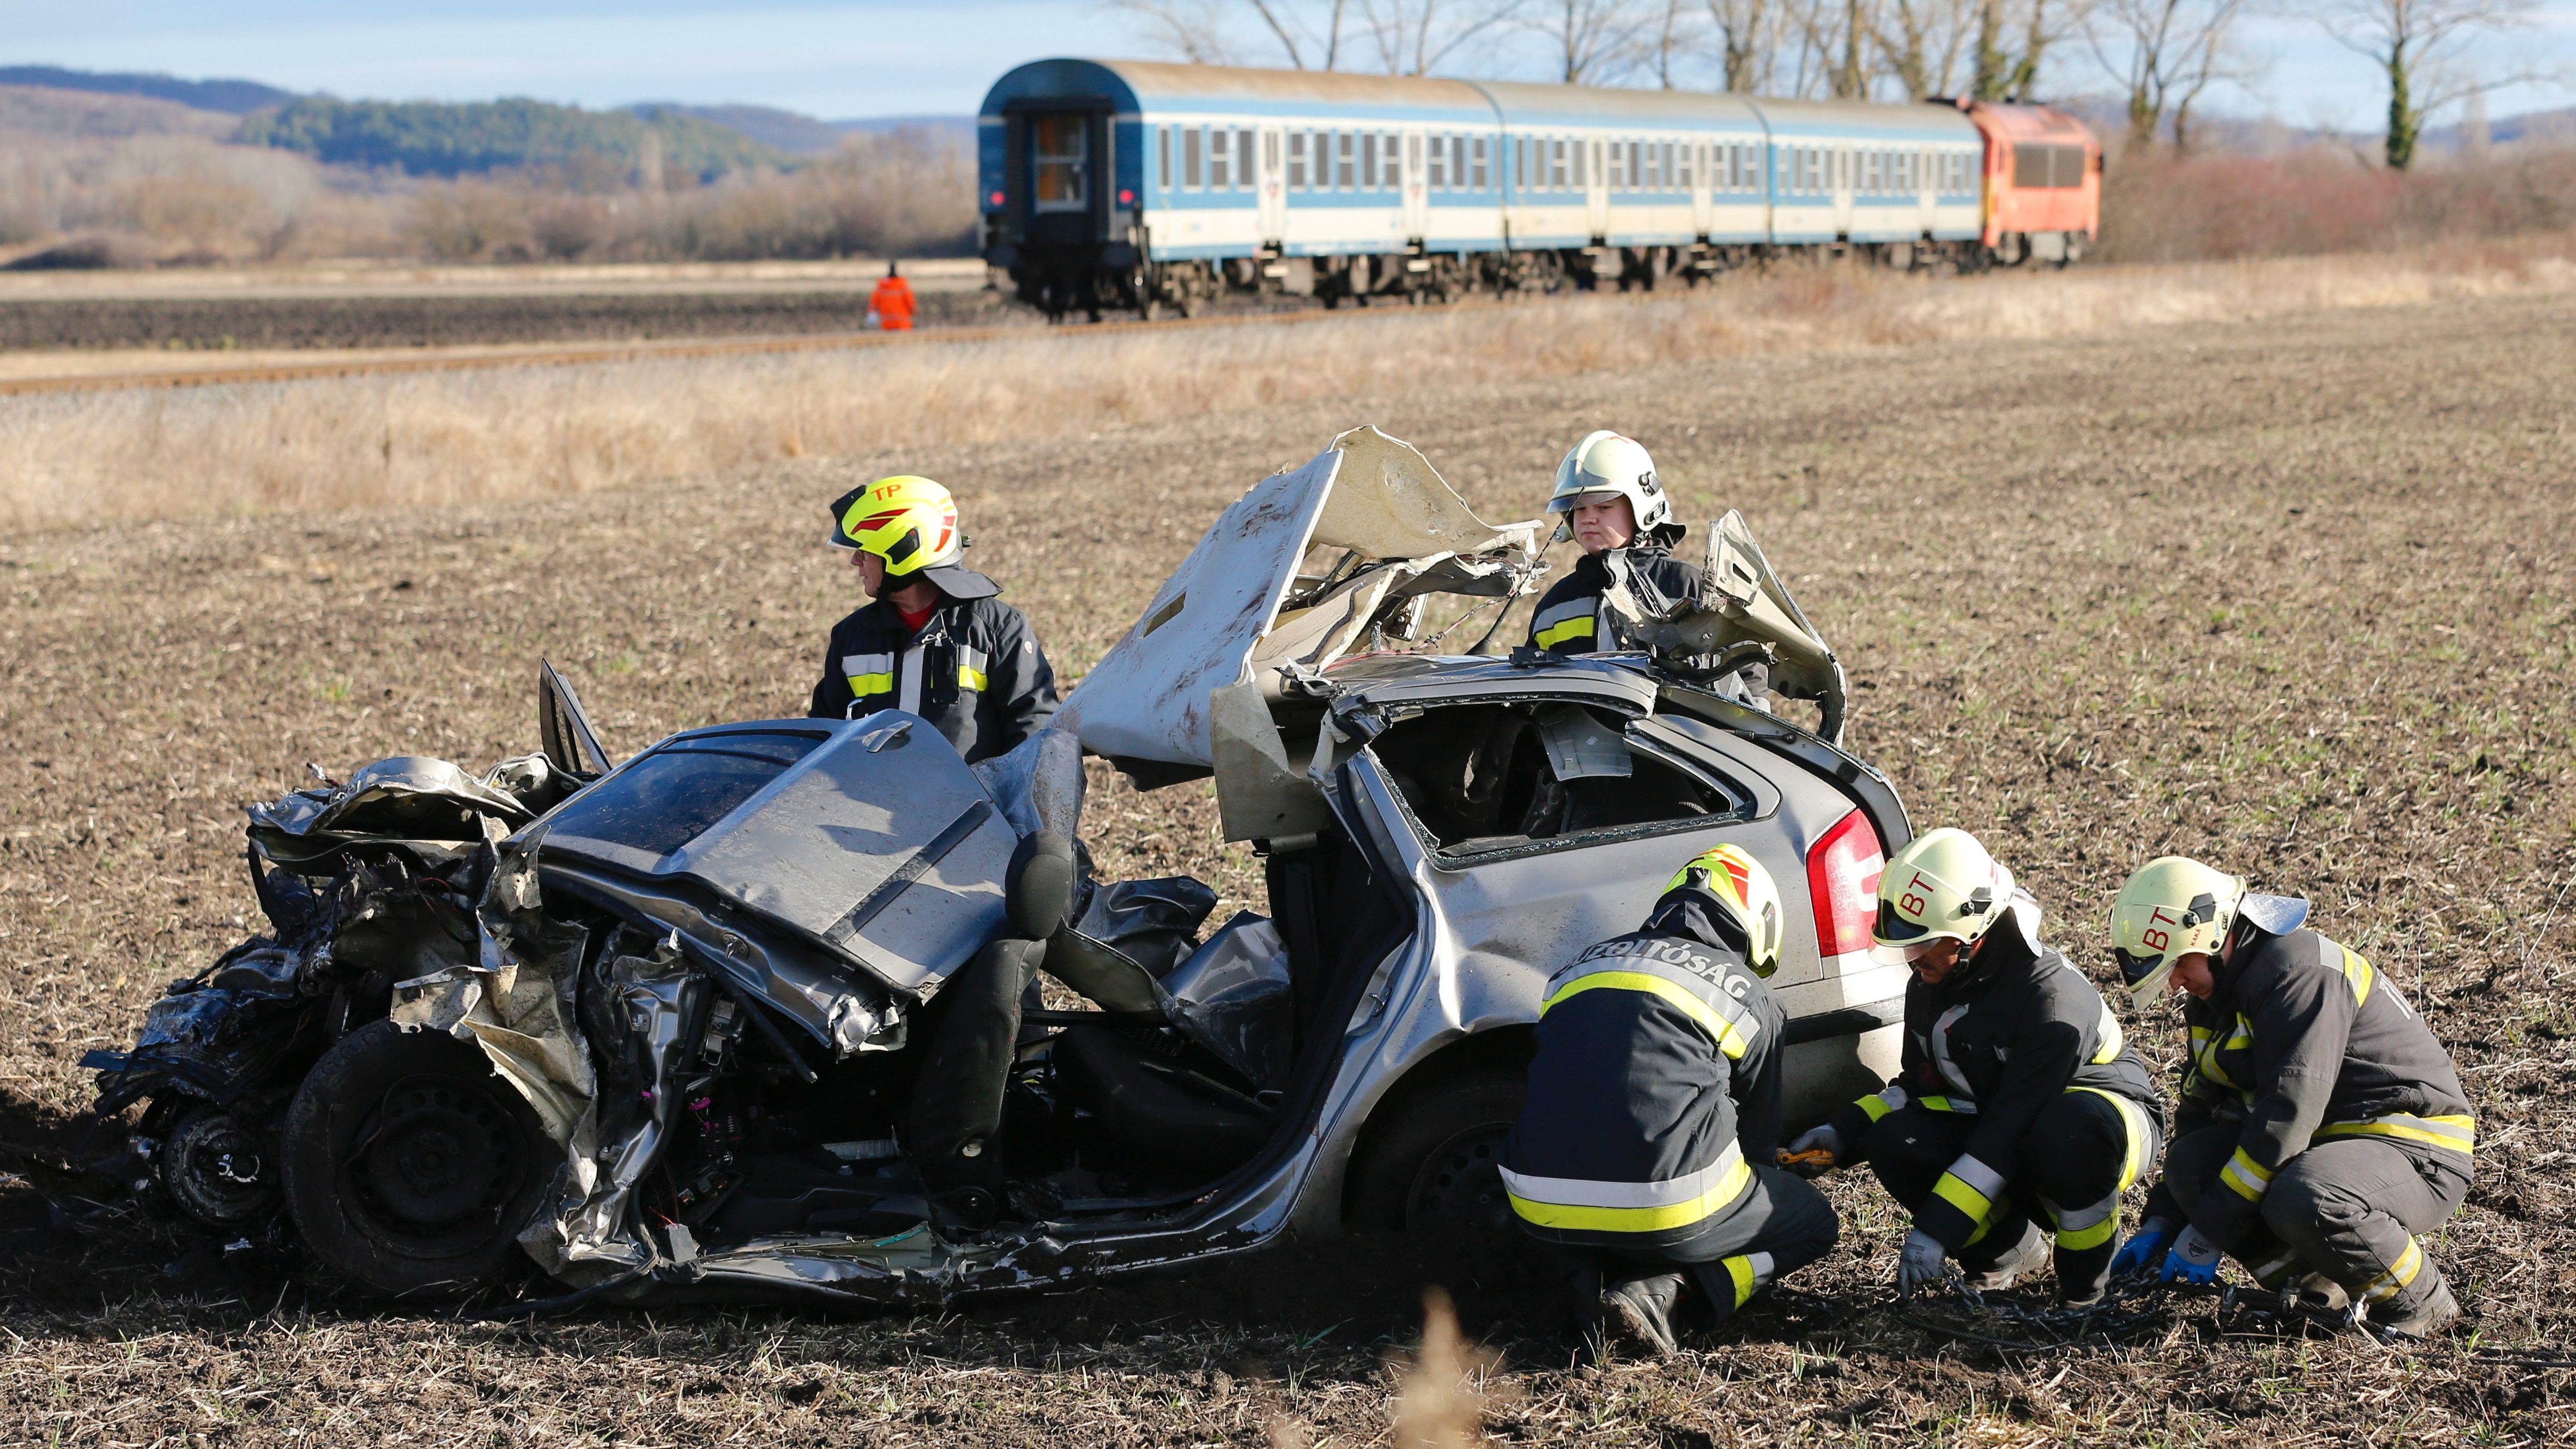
<point>2294,596</point>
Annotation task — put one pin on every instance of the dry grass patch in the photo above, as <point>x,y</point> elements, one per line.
<point>451,439</point>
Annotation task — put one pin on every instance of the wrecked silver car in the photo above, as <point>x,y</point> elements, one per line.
<point>752,1012</point>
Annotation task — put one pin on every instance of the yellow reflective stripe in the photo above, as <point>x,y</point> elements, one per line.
<point>2400,1273</point>
<point>1740,1268</point>
<point>2133,1121</point>
<point>971,664</point>
<point>2249,1179</point>
<point>2076,1240</point>
<point>1963,1197</point>
<point>2112,1040</point>
<point>2359,974</point>
<point>1555,634</point>
<point>867,684</point>
<point>1630,1207</point>
<point>970,679</point>
<point>1877,1105</point>
<point>2454,1134</point>
<point>1944,1104</point>
<point>1729,1037</point>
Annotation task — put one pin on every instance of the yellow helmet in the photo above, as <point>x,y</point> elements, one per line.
<point>2170,907</point>
<point>1943,884</point>
<point>1745,894</point>
<point>909,522</point>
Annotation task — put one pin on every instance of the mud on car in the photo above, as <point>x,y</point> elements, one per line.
<point>751,1012</point>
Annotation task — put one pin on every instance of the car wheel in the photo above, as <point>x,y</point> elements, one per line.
<point>410,1166</point>
<point>1438,1166</point>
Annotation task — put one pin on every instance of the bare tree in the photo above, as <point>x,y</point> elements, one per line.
<point>1748,41</point>
<point>1919,42</point>
<point>1309,33</point>
<point>2166,53</point>
<point>2420,46</point>
<point>1590,41</point>
<point>1412,37</point>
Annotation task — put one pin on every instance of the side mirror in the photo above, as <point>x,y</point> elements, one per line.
<point>1039,888</point>
<point>563,728</point>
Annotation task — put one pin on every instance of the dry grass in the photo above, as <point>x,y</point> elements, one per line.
<point>446,440</point>
<point>2256,591</point>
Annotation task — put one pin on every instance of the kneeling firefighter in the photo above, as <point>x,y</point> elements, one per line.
<point>2018,1101</point>
<point>935,641</point>
<point>1617,512</point>
<point>1645,1150</point>
<point>2322,1128</point>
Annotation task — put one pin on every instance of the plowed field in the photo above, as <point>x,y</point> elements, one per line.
<point>2294,596</point>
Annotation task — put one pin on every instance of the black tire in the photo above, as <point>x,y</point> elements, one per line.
<point>411,1166</point>
<point>1436,1165</point>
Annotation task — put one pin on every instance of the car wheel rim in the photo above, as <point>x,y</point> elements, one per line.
<point>433,1172</point>
<point>1461,1184</point>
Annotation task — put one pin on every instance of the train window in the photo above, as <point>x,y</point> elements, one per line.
<point>1244,174</point>
<point>1368,162</point>
<point>1873,178</point>
<point>1476,165</point>
<point>1583,164</point>
<point>1390,148</point>
<point>1194,158</point>
<point>1438,177</point>
<point>1163,154</point>
<point>1345,170</point>
<point>1693,156</point>
<point>1219,165</point>
<point>1062,147</point>
<point>1297,160</point>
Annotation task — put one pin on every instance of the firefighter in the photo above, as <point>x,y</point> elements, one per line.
<point>2018,1103</point>
<point>934,642</point>
<point>1617,512</point>
<point>891,303</point>
<point>1645,1152</point>
<point>2322,1130</point>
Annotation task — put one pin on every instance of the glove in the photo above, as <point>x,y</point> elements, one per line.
<point>1814,1140</point>
<point>2194,1260</point>
<point>2145,1247</point>
<point>1921,1261</point>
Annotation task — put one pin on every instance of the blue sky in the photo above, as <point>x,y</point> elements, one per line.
<point>856,58</point>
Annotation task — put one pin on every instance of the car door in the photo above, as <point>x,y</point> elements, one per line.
<point>1596,190</point>
<point>1416,190</point>
<point>1272,187</point>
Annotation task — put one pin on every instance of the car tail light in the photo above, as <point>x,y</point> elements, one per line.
<point>1842,884</point>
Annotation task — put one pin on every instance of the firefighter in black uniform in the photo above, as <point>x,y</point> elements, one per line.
<point>935,641</point>
<point>2018,1103</point>
<point>2323,1129</point>
<point>1617,512</point>
<point>1646,1148</point>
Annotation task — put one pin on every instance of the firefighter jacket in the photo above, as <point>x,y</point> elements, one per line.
<point>1999,1040</point>
<point>2305,1041</point>
<point>1570,618</point>
<point>1656,1087</point>
<point>974,672</point>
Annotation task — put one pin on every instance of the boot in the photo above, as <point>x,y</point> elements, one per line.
<point>2316,1292</point>
<point>1638,1313</point>
<point>2009,1266</point>
<point>2437,1311</point>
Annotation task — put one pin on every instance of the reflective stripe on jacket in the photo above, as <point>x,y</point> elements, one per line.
<point>1655,1088</point>
<point>2303,1041</point>
<point>975,672</point>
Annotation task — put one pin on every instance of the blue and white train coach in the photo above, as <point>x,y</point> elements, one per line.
<point>1138,185</point>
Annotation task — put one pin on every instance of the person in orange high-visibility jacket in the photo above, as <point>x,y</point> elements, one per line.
<point>892,300</point>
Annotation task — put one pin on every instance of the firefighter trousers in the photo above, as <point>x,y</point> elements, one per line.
<point>2350,1208</point>
<point>1782,1225</point>
<point>2081,1153</point>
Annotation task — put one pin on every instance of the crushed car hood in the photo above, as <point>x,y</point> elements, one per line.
<point>1239,612</point>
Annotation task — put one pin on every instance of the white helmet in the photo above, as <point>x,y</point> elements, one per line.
<point>1942,884</point>
<point>1605,462</point>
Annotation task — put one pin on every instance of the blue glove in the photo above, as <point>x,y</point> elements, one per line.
<point>2194,1260</point>
<point>2144,1249</point>
<point>1919,1264</point>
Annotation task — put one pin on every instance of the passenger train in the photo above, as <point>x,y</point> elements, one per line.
<point>1146,186</point>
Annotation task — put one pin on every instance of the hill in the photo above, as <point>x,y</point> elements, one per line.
<point>788,131</point>
<point>433,138</point>
<point>231,97</point>
<point>99,116</point>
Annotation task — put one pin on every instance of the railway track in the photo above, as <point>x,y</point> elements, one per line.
<point>574,354</point>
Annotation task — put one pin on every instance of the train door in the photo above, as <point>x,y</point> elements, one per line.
<point>1415,189</point>
<point>1704,182</point>
<point>1596,190</point>
<point>1271,187</point>
<point>1846,164</point>
<point>1065,158</point>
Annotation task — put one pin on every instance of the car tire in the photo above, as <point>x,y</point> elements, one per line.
<point>1435,1167</point>
<point>411,1166</point>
